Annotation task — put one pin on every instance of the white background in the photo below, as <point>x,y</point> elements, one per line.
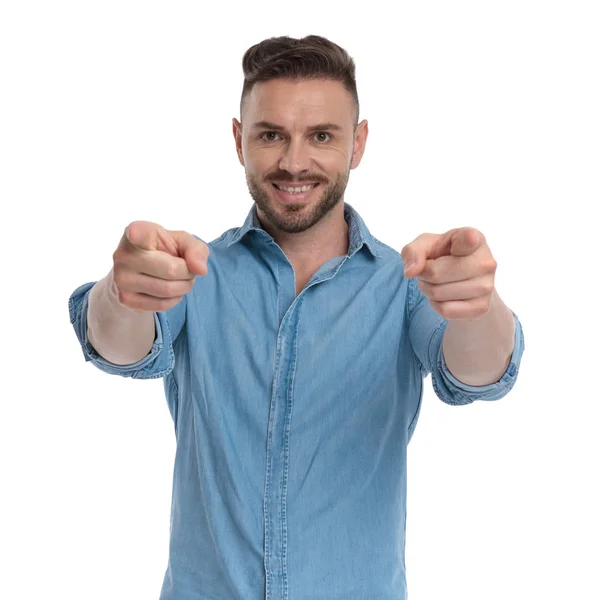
<point>483,114</point>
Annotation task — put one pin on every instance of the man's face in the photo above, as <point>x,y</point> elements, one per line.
<point>298,133</point>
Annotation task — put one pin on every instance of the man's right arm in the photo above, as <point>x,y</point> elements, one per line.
<point>122,321</point>
<point>118,333</point>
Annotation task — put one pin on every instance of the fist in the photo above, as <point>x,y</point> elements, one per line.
<point>154,268</point>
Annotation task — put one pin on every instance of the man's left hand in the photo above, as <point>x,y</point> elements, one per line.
<point>456,271</point>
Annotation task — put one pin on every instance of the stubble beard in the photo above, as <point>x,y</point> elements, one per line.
<point>295,218</point>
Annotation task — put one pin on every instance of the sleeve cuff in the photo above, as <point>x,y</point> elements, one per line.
<point>452,391</point>
<point>157,363</point>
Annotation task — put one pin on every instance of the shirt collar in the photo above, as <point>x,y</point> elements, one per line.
<point>357,231</point>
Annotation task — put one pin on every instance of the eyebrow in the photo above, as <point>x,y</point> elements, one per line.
<point>275,127</point>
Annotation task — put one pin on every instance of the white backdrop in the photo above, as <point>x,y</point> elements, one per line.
<point>480,113</point>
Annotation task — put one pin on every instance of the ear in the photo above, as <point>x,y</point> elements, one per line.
<point>360,140</point>
<point>237,134</point>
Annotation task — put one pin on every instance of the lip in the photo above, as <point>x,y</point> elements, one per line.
<point>295,183</point>
<point>288,198</point>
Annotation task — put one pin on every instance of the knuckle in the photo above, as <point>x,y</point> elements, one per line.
<point>170,303</point>
<point>433,273</point>
<point>447,310</point>
<point>122,296</point>
<point>427,289</point>
<point>172,270</point>
<point>120,270</point>
<point>490,265</point>
<point>444,311</point>
<point>117,256</point>
<point>121,278</point>
<point>163,288</point>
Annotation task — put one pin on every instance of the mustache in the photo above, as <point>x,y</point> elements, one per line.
<point>286,177</point>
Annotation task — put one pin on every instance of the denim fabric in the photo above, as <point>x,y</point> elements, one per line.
<point>292,417</point>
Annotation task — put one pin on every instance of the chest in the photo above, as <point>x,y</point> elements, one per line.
<point>303,276</point>
<point>301,283</point>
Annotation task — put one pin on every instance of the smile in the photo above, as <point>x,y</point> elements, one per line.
<point>295,189</point>
<point>294,194</point>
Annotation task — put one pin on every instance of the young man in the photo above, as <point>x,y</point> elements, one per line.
<point>293,366</point>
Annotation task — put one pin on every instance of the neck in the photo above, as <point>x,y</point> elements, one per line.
<point>309,249</point>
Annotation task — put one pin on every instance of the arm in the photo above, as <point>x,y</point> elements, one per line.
<point>118,333</point>
<point>478,351</point>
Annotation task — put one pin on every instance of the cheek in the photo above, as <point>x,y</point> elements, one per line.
<point>253,169</point>
<point>336,161</point>
<point>260,163</point>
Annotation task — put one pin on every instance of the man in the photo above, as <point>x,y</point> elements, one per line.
<point>293,366</point>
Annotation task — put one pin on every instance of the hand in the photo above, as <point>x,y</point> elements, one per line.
<point>456,271</point>
<point>154,267</point>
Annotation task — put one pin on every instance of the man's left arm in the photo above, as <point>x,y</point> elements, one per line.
<point>456,272</point>
<point>478,352</point>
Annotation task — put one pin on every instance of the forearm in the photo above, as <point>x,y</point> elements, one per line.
<point>119,334</point>
<point>478,352</point>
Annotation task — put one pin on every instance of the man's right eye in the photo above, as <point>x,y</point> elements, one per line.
<point>268,133</point>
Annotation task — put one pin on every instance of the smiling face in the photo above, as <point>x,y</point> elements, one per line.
<point>298,133</point>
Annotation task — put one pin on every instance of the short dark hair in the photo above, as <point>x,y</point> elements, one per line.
<point>310,57</point>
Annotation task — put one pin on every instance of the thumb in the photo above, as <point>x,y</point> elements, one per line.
<point>194,251</point>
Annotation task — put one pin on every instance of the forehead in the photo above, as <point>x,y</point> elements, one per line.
<point>298,103</point>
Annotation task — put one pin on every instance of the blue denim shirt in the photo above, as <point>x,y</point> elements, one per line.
<point>292,417</point>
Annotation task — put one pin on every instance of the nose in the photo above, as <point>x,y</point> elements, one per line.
<point>296,157</point>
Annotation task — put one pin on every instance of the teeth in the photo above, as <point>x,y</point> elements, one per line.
<point>295,190</point>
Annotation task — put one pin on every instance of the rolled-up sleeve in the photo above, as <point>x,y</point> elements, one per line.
<point>426,330</point>
<point>157,363</point>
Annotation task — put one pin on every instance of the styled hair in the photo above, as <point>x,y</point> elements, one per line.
<point>307,58</point>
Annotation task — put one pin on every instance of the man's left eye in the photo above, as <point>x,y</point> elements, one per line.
<point>323,133</point>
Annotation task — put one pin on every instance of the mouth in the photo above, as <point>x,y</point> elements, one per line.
<point>294,193</point>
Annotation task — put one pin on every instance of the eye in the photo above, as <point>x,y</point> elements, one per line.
<point>322,133</point>
<point>262,137</point>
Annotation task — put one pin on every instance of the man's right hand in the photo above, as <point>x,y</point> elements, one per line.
<point>154,267</point>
